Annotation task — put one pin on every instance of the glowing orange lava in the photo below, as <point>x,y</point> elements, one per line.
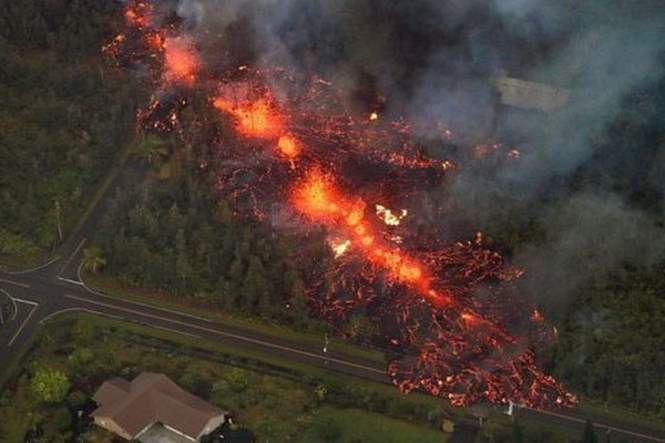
<point>289,146</point>
<point>181,61</point>
<point>317,198</point>
<point>139,15</point>
<point>253,119</point>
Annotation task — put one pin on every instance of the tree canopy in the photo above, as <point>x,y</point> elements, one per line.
<point>50,385</point>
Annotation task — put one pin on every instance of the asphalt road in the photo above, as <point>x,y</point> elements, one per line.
<point>55,288</point>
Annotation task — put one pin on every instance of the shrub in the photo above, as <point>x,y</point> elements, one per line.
<point>50,385</point>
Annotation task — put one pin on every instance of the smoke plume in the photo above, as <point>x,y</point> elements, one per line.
<point>437,61</point>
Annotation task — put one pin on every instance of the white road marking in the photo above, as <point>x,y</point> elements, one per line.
<point>175,331</point>
<point>115,317</point>
<point>91,311</point>
<point>15,283</point>
<point>27,302</point>
<point>13,302</point>
<point>27,271</point>
<point>25,322</point>
<point>228,334</point>
<point>71,257</point>
<point>69,280</point>
<point>138,303</point>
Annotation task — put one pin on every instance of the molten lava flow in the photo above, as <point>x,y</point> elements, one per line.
<point>289,146</point>
<point>339,247</point>
<point>181,62</point>
<point>446,310</point>
<point>389,217</point>
<point>317,198</point>
<point>253,119</point>
<point>138,14</point>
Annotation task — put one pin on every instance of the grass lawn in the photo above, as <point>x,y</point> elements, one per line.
<point>9,262</point>
<point>354,425</point>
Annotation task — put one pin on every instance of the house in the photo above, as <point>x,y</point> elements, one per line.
<point>531,95</point>
<point>152,408</point>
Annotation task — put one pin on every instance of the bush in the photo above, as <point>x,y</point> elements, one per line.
<point>328,429</point>
<point>60,421</point>
<point>76,400</point>
<point>50,385</point>
<point>80,357</point>
<point>237,379</point>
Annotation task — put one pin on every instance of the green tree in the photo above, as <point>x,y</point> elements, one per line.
<point>50,385</point>
<point>183,268</point>
<point>255,285</point>
<point>93,259</point>
<point>518,433</point>
<point>361,327</point>
<point>589,436</point>
<point>327,429</point>
<point>150,150</point>
<point>77,399</point>
<point>58,423</point>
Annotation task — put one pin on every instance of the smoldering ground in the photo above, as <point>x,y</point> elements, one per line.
<point>434,61</point>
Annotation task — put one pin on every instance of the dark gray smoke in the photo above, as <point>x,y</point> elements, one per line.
<point>588,237</point>
<point>437,60</point>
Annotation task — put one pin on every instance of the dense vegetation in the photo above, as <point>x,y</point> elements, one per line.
<point>175,236</point>
<point>610,345</point>
<point>64,117</point>
<point>613,329</point>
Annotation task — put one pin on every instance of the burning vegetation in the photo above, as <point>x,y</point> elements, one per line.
<point>449,315</point>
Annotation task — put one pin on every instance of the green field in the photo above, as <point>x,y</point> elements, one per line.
<point>353,425</point>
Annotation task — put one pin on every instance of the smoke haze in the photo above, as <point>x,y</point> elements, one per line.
<point>436,61</point>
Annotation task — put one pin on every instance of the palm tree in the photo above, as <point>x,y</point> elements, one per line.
<point>151,150</point>
<point>93,259</point>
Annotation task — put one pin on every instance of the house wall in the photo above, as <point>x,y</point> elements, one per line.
<point>212,424</point>
<point>175,431</point>
<point>112,426</point>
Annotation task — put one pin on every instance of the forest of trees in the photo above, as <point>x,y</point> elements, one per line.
<point>64,116</point>
<point>611,342</point>
<point>178,238</point>
<point>613,331</point>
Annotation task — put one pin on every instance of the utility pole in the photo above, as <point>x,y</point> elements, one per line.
<point>326,342</point>
<point>57,217</point>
